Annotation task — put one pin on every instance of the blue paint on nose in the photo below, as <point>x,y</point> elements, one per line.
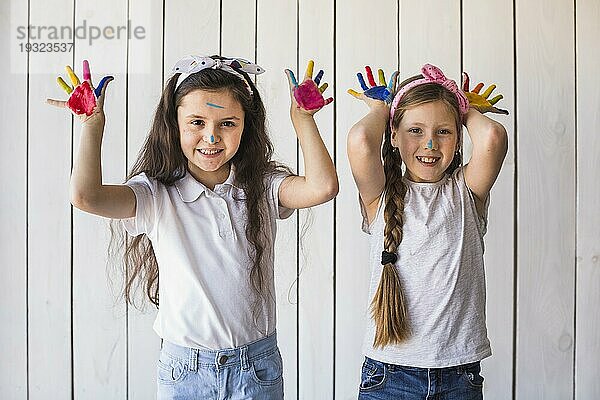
<point>430,144</point>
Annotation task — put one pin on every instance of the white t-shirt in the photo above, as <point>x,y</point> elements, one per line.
<point>199,240</point>
<point>440,265</point>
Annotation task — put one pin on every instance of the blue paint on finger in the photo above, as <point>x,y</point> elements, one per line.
<point>318,77</point>
<point>361,80</point>
<point>98,90</point>
<point>293,78</point>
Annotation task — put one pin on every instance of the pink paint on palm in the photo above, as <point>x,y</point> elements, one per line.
<point>82,100</point>
<point>308,96</point>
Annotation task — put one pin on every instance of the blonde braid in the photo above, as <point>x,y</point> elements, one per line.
<point>388,307</point>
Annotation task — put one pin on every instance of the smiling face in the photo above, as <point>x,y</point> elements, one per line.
<point>427,139</point>
<point>210,131</point>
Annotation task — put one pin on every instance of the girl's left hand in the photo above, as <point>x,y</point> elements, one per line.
<point>480,102</point>
<point>307,96</point>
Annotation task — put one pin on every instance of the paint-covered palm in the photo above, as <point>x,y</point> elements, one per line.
<point>384,91</point>
<point>309,95</point>
<point>480,102</point>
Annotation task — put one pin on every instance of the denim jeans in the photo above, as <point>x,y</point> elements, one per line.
<point>253,371</point>
<point>388,381</point>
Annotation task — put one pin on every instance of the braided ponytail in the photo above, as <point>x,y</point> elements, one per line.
<point>388,307</point>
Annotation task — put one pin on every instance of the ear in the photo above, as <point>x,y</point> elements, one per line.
<point>393,138</point>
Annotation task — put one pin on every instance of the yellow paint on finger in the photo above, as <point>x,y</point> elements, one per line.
<point>354,93</point>
<point>382,81</point>
<point>323,87</point>
<point>63,85</point>
<point>496,99</point>
<point>309,69</point>
<point>489,91</point>
<point>72,76</point>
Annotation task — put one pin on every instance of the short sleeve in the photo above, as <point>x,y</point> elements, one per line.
<point>145,190</point>
<point>366,228</point>
<point>482,220</point>
<point>274,183</point>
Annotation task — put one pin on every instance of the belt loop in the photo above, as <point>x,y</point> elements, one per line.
<point>193,360</point>
<point>244,358</point>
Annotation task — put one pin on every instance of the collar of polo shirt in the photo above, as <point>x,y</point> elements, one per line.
<point>190,189</point>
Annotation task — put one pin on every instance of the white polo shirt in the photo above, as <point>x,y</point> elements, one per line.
<point>199,239</point>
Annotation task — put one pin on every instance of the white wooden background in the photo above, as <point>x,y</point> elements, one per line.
<point>62,335</point>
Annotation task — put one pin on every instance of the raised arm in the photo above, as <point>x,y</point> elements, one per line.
<point>490,144</point>
<point>490,141</point>
<point>86,189</point>
<point>366,137</point>
<point>319,183</point>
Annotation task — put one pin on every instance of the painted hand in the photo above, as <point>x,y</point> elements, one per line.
<point>380,92</point>
<point>480,102</point>
<point>83,98</point>
<point>308,95</point>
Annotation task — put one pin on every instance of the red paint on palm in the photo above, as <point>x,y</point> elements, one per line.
<point>308,96</point>
<point>82,100</point>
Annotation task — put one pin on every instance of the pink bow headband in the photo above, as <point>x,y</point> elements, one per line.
<point>432,74</point>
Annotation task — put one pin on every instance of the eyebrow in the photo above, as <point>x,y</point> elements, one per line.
<point>202,117</point>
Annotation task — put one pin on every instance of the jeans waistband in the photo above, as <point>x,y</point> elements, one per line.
<point>239,356</point>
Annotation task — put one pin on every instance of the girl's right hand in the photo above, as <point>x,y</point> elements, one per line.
<point>85,101</point>
<point>376,95</point>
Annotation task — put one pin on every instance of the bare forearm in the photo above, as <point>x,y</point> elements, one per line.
<point>319,170</point>
<point>86,177</point>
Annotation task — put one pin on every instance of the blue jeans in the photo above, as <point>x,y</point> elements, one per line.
<point>388,381</point>
<point>253,371</point>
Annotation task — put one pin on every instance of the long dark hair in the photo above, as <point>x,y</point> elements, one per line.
<point>161,158</point>
<point>388,307</point>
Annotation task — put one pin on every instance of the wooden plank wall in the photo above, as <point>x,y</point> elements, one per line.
<point>65,334</point>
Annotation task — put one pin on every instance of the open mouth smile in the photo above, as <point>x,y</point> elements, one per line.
<point>428,161</point>
<point>209,152</point>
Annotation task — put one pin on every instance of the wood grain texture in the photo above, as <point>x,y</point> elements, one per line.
<point>587,338</point>
<point>13,202</point>
<point>546,199</point>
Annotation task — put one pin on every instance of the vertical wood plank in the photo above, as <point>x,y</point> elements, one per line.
<point>144,87</point>
<point>587,354</point>
<point>190,28</point>
<point>493,63</point>
<point>238,34</point>
<point>276,47</point>
<point>99,324</point>
<point>546,199</point>
<point>429,33</point>
<point>354,49</point>
<point>315,284</point>
<point>49,230</point>
<point>13,202</point>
